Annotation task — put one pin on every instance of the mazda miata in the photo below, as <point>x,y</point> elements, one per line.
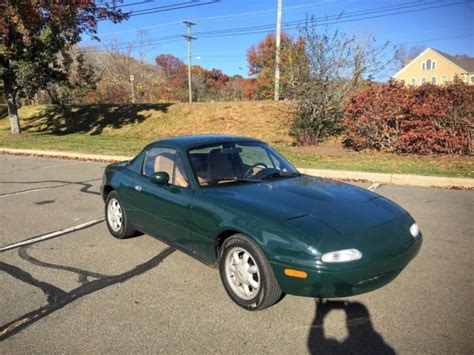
<point>235,203</point>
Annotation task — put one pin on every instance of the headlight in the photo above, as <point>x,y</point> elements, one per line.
<point>414,230</point>
<point>342,256</point>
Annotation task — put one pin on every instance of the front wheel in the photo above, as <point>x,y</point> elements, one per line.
<point>246,274</point>
<point>117,222</point>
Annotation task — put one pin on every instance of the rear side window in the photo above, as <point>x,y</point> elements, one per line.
<point>167,160</point>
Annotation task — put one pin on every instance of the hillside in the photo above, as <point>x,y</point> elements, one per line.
<point>266,120</point>
<point>125,129</point>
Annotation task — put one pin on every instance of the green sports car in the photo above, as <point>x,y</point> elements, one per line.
<point>235,203</point>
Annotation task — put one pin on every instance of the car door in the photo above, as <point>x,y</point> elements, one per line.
<point>164,210</point>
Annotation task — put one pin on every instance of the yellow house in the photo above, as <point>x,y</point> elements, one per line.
<point>436,67</point>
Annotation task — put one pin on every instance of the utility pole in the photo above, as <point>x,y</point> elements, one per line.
<point>189,38</point>
<point>132,79</point>
<point>277,54</point>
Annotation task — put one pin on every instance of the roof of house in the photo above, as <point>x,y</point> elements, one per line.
<point>465,62</point>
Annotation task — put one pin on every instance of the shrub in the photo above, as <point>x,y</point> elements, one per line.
<point>396,118</point>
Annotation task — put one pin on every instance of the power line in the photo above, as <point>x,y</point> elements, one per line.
<point>336,19</point>
<point>163,8</point>
<point>224,17</point>
<point>177,6</point>
<point>329,17</point>
<point>437,39</point>
<point>398,43</point>
<point>333,20</point>
<point>134,3</point>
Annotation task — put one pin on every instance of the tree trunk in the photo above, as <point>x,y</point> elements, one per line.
<point>12,110</point>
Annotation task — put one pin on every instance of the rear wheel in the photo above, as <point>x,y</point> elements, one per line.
<point>116,218</point>
<point>246,274</point>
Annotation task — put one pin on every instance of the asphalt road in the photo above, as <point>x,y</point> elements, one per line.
<point>87,292</point>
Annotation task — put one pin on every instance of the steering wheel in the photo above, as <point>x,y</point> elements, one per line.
<point>253,167</point>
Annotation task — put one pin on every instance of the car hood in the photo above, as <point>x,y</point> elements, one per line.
<point>344,208</point>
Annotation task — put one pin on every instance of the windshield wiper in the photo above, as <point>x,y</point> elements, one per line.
<point>281,174</point>
<point>232,179</point>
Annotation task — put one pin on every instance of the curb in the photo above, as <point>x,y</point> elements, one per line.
<point>393,179</point>
<point>65,155</point>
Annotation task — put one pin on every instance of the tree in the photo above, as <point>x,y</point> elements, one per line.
<point>175,74</point>
<point>36,36</point>
<point>81,80</point>
<point>336,64</point>
<point>404,55</point>
<point>261,63</point>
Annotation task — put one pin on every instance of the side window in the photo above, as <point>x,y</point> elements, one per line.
<point>164,159</point>
<point>159,159</point>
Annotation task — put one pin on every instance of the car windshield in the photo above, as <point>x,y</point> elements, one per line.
<point>245,162</point>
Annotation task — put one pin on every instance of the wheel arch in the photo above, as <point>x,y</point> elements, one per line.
<point>229,232</point>
<point>221,237</point>
<point>106,189</point>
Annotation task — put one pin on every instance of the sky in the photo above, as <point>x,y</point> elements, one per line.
<point>225,29</point>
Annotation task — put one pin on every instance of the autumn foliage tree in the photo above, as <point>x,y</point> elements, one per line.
<point>207,84</point>
<point>174,73</point>
<point>261,63</point>
<point>35,39</point>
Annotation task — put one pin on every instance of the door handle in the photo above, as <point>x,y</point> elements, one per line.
<point>138,188</point>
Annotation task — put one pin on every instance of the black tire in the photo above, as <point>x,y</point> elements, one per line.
<point>126,229</point>
<point>268,291</point>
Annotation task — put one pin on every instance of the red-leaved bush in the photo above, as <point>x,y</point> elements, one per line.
<point>403,119</point>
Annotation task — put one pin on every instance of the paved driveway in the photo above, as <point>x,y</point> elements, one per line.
<point>87,292</point>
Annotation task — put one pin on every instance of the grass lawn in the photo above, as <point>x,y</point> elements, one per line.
<point>375,162</point>
<point>125,129</point>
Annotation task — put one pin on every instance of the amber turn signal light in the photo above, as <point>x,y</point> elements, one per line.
<point>296,273</point>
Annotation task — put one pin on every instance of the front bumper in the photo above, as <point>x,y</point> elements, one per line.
<point>336,282</point>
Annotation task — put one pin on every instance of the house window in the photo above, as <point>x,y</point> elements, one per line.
<point>428,65</point>
<point>413,81</point>
<point>444,79</point>
<point>423,80</point>
<point>433,80</point>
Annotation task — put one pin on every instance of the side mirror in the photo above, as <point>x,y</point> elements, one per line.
<point>160,178</point>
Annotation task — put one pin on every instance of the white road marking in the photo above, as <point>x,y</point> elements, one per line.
<point>52,234</point>
<point>373,186</point>
<point>43,167</point>
<point>26,191</point>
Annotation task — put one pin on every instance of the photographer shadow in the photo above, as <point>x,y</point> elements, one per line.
<point>362,338</point>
